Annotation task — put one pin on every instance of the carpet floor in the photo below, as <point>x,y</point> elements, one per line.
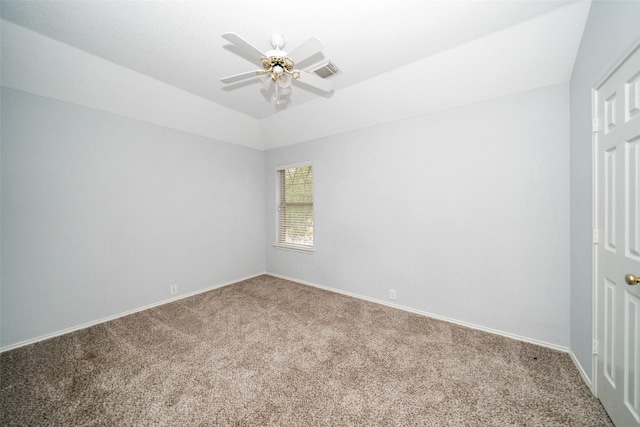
<point>267,351</point>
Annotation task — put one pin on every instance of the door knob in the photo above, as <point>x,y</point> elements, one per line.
<point>631,279</point>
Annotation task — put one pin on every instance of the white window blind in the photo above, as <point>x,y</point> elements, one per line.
<point>295,207</point>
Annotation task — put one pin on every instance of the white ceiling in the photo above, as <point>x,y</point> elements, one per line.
<point>180,43</point>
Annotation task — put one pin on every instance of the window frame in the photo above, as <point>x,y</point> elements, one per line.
<point>292,246</point>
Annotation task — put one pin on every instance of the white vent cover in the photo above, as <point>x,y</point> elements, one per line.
<point>326,70</point>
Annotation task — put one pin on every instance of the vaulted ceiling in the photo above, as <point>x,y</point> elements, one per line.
<point>439,49</point>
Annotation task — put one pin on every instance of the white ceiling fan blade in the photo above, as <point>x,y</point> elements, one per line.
<point>315,81</point>
<point>244,45</point>
<point>306,49</point>
<point>238,77</point>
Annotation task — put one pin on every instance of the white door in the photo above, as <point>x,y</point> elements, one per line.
<point>617,149</point>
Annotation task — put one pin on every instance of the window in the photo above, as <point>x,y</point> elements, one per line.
<point>295,206</point>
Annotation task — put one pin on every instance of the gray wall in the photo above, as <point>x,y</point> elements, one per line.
<point>101,214</point>
<point>610,29</point>
<point>465,213</point>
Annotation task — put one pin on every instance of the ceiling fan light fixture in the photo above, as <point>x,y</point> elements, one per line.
<point>266,81</point>
<point>280,92</point>
<point>284,81</point>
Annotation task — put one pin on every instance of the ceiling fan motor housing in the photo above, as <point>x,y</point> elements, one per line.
<point>277,41</point>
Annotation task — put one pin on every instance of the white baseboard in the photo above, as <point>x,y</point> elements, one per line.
<point>427,314</point>
<point>125,313</point>
<point>583,374</point>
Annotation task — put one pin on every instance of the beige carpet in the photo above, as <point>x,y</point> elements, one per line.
<point>271,352</point>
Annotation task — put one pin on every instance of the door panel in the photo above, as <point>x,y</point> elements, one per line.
<point>632,199</point>
<point>631,359</point>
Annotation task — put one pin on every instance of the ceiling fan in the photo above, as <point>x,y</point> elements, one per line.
<point>278,68</point>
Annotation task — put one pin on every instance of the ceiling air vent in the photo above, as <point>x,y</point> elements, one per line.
<point>326,70</point>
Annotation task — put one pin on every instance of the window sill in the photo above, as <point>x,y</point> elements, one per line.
<point>295,248</point>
